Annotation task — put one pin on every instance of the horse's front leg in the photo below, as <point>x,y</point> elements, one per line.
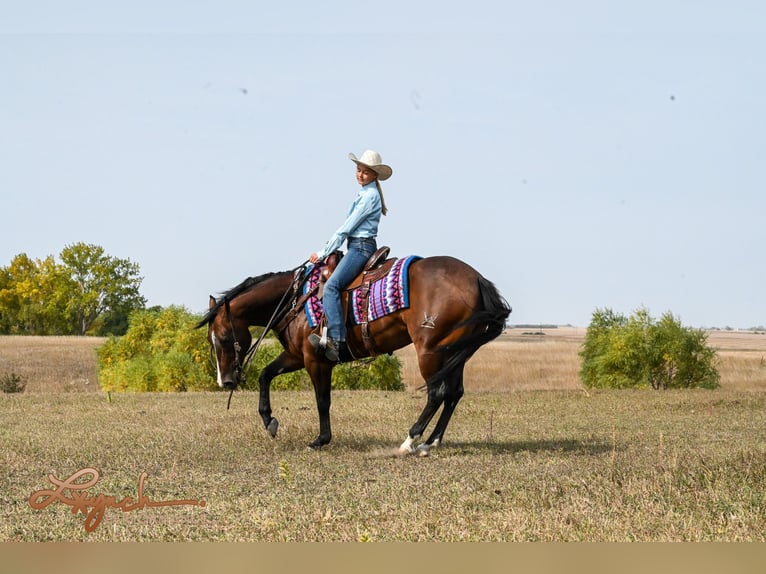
<point>321,377</point>
<point>284,363</point>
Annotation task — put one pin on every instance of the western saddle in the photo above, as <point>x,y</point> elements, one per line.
<point>377,266</point>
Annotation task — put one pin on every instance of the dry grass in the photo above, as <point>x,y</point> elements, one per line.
<point>52,364</point>
<point>516,466</point>
<point>528,456</point>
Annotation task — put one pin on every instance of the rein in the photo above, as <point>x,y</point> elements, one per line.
<point>240,366</point>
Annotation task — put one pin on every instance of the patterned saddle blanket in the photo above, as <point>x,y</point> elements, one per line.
<point>388,294</point>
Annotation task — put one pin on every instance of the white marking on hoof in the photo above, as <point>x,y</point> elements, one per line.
<point>406,446</point>
<point>425,449</point>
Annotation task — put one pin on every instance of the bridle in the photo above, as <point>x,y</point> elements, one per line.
<point>241,364</point>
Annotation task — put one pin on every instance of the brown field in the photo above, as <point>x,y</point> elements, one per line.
<point>52,364</point>
<point>520,359</point>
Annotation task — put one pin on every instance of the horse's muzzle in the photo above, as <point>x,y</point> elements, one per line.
<point>230,385</point>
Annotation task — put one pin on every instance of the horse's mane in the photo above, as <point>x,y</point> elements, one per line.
<point>243,287</point>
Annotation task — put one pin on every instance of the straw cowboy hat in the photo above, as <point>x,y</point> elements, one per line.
<point>372,160</point>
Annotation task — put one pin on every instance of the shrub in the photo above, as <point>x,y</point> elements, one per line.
<point>12,383</point>
<point>267,352</point>
<point>383,373</point>
<point>161,351</point>
<point>638,351</point>
<point>135,374</point>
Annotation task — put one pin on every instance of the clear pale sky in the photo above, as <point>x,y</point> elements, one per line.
<point>581,155</point>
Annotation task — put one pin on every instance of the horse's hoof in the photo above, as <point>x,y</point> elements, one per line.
<point>423,450</point>
<point>272,427</point>
<point>406,447</point>
<point>318,443</point>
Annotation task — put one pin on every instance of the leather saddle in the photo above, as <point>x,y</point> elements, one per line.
<point>377,266</point>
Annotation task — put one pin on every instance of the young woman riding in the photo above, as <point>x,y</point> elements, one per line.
<point>359,230</point>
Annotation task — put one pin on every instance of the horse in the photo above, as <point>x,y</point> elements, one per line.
<point>453,310</point>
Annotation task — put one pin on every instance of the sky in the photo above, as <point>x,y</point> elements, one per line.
<point>581,155</point>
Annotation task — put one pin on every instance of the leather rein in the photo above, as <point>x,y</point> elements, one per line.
<point>241,363</point>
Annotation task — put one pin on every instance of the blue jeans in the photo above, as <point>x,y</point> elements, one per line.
<point>352,263</point>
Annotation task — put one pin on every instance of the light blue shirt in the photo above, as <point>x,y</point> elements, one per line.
<point>362,219</point>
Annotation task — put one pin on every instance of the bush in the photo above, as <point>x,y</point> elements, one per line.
<point>638,351</point>
<point>383,373</point>
<point>12,383</point>
<point>269,350</point>
<point>161,351</point>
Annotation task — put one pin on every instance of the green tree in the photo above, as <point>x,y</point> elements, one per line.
<point>31,297</point>
<point>99,283</point>
<point>88,292</point>
<point>11,302</point>
<point>638,351</point>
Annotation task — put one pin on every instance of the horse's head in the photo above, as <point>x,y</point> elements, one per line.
<point>229,339</point>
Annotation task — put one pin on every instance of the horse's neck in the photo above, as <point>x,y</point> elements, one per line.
<point>258,305</point>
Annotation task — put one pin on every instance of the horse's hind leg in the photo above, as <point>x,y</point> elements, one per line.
<point>430,363</point>
<point>448,393</point>
<point>435,399</point>
<point>452,396</point>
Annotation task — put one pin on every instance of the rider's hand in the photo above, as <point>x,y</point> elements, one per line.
<point>314,258</point>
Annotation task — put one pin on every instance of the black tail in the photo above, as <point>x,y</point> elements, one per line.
<point>492,316</point>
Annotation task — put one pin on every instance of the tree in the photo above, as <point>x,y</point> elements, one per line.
<point>29,297</point>
<point>10,302</point>
<point>42,297</point>
<point>99,283</point>
<point>638,351</point>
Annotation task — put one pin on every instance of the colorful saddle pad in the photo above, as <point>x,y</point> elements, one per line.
<point>387,295</point>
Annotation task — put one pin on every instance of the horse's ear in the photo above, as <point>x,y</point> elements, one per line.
<point>212,302</point>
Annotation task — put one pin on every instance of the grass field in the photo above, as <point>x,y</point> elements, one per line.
<point>529,455</point>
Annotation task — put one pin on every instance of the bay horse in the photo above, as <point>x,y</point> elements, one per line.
<point>453,311</point>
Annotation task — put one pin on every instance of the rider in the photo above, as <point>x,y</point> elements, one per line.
<point>359,229</point>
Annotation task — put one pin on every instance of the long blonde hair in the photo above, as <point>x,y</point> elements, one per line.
<point>384,209</point>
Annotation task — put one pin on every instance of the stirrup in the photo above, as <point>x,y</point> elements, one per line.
<point>332,351</point>
<point>319,342</point>
<point>314,341</point>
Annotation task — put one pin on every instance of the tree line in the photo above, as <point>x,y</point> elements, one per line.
<point>88,292</point>
<point>84,292</point>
